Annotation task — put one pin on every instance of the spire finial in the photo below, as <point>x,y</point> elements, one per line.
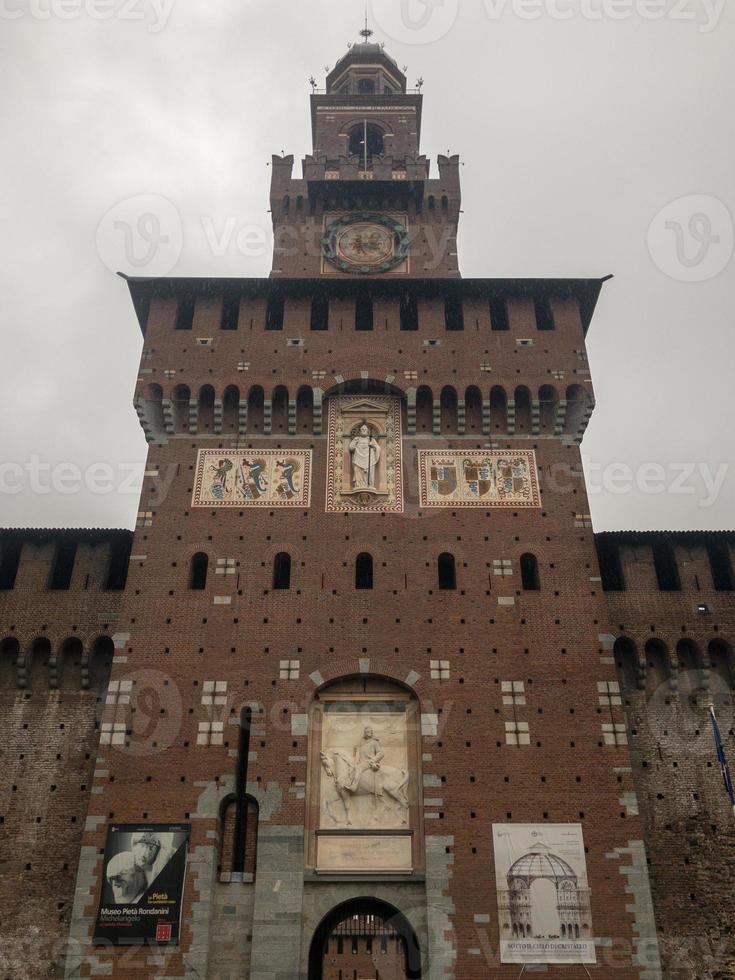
<point>366,32</point>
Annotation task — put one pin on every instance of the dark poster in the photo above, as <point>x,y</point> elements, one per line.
<point>142,884</point>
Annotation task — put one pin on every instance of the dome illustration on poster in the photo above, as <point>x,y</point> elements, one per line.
<point>543,894</point>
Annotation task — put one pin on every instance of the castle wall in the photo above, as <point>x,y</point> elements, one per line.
<point>49,738</point>
<point>689,825</point>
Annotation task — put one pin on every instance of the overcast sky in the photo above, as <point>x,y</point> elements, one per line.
<point>578,122</point>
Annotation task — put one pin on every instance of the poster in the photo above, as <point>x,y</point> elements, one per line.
<point>543,894</point>
<point>142,884</point>
<point>252,478</point>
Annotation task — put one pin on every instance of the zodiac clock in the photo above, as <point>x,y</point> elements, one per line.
<point>365,243</point>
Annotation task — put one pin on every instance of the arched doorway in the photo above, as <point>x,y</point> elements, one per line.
<point>365,939</point>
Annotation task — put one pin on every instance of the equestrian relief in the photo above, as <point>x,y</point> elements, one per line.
<point>361,788</point>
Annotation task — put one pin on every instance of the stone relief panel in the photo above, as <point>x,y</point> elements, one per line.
<point>478,479</point>
<point>365,775</point>
<point>252,478</point>
<point>364,813</point>
<point>364,463</point>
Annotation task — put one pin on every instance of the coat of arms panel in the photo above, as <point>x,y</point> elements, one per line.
<point>478,479</point>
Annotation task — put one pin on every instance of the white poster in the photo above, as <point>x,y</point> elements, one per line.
<point>543,894</point>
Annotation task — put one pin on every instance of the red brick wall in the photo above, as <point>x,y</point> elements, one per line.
<point>49,743</point>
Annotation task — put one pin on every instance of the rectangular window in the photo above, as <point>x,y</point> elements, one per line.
<point>667,572</point>
<point>63,567</point>
<point>320,311</point>
<point>274,313</point>
<point>720,565</point>
<point>544,313</point>
<point>117,570</point>
<point>364,312</point>
<point>185,313</point>
<point>453,312</point>
<point>409,312</point>
<point>499,314</point>
<point>9,563</point>
<point>230,311</point>
<point>611,569</point>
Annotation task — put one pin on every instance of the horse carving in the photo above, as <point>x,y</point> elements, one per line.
<point>385,781</point>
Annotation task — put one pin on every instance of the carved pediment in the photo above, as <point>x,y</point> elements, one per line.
<point>367,407</point>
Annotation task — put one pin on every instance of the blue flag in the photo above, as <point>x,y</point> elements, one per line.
<point>727,778</point>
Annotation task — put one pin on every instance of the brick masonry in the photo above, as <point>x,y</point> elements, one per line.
<point>185,662</point>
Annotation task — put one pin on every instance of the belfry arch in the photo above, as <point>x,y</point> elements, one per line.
<point>368,938</point>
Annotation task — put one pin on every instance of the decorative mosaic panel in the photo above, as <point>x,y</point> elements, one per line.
<point>478,479</point>
<point>253,478</point>
<point>364,462</point>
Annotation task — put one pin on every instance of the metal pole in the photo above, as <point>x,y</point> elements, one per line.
<point>241,787</point>
<point>366,150</point>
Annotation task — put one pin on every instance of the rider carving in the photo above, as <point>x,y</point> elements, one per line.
<point>368,755</point>
<point>361,773</point>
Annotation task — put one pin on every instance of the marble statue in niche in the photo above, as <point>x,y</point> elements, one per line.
<point>364,464</point>
<point>365,452</point>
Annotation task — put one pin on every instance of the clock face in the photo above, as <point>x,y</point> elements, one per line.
<point>365,243</point>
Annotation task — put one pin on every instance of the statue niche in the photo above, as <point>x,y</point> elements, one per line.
<point>365,452</point>
<point>364,455</point>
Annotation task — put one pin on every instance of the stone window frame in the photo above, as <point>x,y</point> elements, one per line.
<point>214,693</point>
<point>514,692</point>
<point>614,735</point>
<point>113,729</point>
<point>226,566</point>
<point>608,694</point>
<point>289,670</point>
<point>211,733</point>
<point>517,733</point>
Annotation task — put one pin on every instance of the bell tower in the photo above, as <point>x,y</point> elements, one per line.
<point>365,204</point>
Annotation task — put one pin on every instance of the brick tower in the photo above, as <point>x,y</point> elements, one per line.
<point>361,680</point>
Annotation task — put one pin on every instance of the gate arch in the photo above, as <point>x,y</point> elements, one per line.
<point>351,930</point>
